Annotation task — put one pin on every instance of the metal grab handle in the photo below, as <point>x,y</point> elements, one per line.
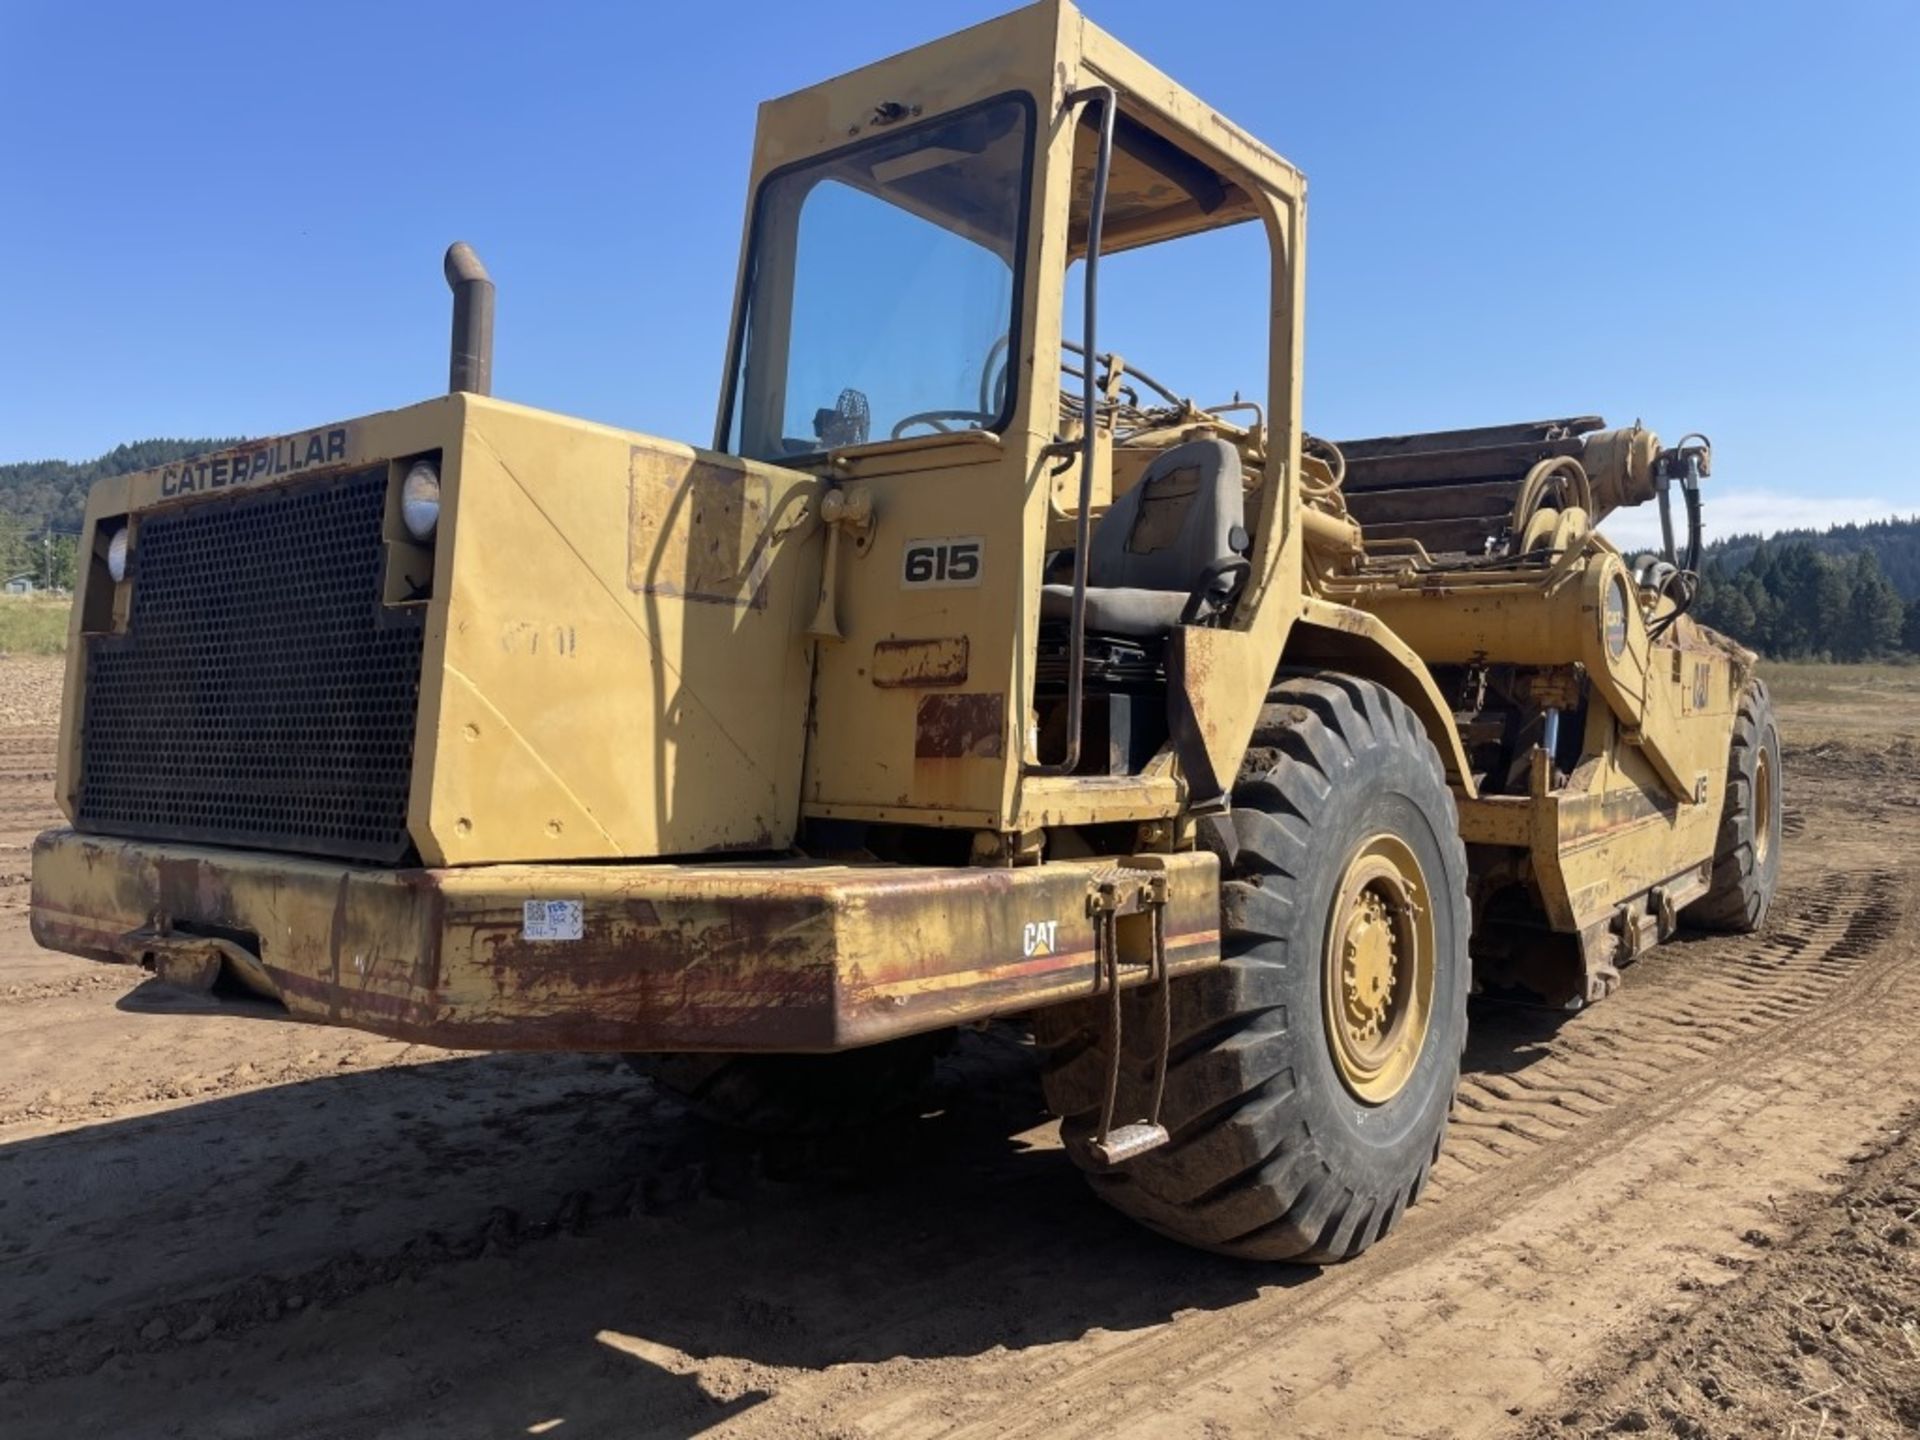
<point>1109,101</point>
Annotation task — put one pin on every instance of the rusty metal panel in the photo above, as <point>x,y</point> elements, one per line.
<point>772,955</point>
<point>960,727</point>
<point>920,664</point>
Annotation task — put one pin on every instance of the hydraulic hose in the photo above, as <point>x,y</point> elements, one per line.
<point>1568,472</point>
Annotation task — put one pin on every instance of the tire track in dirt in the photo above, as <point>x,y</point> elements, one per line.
<point>1738,990</point>
<point>1588,1089</point>
<point>27,760</point>
<point>27,806</point>
<point>1081,1326</point>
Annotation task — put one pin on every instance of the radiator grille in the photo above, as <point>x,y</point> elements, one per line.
<point>261,694</point>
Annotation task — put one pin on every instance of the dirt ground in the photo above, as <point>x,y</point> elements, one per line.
<point>1692,1210</point>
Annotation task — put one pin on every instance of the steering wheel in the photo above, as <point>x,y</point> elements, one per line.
<point>941,422</point>
<point>993,398</point>
<point>994,375</point>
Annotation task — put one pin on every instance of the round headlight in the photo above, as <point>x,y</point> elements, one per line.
<point>117,555</point>
<point>420,500</point>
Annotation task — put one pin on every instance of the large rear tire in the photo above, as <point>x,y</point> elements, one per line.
<point>1312,1072</point>
<point>1746,856</point>
<point>781,1095</point>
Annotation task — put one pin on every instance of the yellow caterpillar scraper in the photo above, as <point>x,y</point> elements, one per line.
<point>970,672</point>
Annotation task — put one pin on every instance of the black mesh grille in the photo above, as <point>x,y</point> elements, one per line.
<point>261,695</point>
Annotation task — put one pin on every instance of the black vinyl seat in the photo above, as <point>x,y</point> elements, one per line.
<point>1181,530</point>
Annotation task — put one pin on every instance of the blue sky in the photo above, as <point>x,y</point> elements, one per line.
<point>229,218</point>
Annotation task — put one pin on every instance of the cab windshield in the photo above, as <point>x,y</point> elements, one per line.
<point>881,294</point>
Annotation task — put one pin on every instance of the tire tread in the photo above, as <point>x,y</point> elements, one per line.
<point>1243,1174</point>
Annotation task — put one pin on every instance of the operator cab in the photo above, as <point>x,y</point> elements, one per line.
<point>919,324</point>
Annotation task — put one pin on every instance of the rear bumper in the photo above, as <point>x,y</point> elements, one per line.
<point>771,955</point>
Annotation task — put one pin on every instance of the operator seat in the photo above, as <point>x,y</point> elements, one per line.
<point>1180,530</point>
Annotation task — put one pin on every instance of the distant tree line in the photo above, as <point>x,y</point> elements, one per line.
<point>42,503</point>
<point>1895,543</point>
<point>1797,601</point>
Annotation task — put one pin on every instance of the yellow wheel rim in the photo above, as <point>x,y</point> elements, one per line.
<point>1762,807</point>
<point>1378,974</point>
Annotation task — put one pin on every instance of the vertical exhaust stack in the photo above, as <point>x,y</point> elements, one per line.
<point>470,367</point>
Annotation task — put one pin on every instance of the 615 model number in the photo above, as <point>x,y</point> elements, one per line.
<point>930,564</point>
